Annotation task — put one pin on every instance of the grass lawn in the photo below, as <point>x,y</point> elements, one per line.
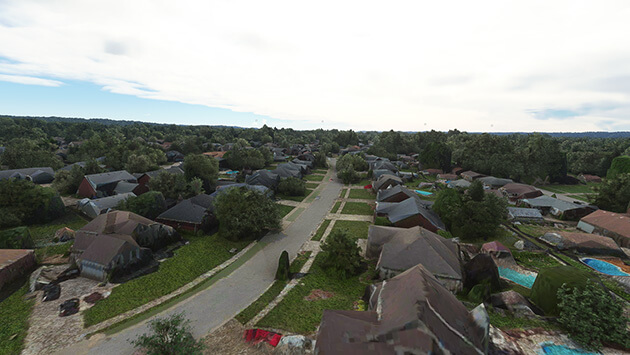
<point>295,314</point>
<point>335,207</point>
<point>382,221</point>
<point>363,182</point>
<point>510,322</point>
<point>250,312</point>
<point>44,233</point>
<point>364,194</point>
<point>533,260</point>
<point>319,171</point>
<point>293,198</point>
<point>503,236</point>
<point>14,312</point>
<point>311,185</point>
<point>320,231</point>
<point>570,189</point>
<point>63,249</point>
<point>536,230</point>
<point>285,210</point>
<point>359,208</point>
<point>342,194</point>
<point>201,255</point>
<point>314,177</point>
<point>356,229</point>
<point>582,197</point>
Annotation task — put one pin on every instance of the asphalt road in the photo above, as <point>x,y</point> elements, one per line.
<point>212,307</point>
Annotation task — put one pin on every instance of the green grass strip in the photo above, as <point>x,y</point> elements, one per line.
<point>320,231</point>
<point>314,177</point>
<point>296,214</point>
<point>356,229</point>
<point>336,207</point>
<point>285,210</point>
<point>14,313</point>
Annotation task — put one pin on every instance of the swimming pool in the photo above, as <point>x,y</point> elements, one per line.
<point>424,193</point>
<point>515,276</point>
<point>604,267</point>
<point>553,349</point>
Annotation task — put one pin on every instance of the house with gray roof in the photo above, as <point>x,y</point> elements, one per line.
<point>263,177</point>
<point>527,215</point>
<point>394,194</point>
<point>385,181</point>
<point>460,184</point>
<point>491,182</point>
<point>43,175</point>
<point>105,184</point>
<point>559,208</point>
<point>95,207</point>
<point>195,213</point>
<point>415,212</point>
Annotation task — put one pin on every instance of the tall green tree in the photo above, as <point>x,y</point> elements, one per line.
<point>202,167</point>
<point>341,254</point>
<point>613,194</point>
<point>169,336</point>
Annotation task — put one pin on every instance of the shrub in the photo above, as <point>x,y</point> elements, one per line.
<point>292,187</point>
<point>169,336</point>
<point>592,316</point>
<point>342,255</point>
<point>283,267</point>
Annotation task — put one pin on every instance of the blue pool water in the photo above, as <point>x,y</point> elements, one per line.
<point>604,267</point>
<point>553,349</point>
<point>515,276</point>
<point>425,193</point>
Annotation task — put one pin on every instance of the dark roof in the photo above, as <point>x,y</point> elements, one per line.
<point>125,187</point>
<point>387,193</point>
<point>192,210</point>
<point>413,206</point>
<point>97,180</point>
<point>111,201</point>
<point>29,173</point>
<point>494,181</point>
<point>383,164</point>
<point>519,189</point>
<point>385,179</point>
<point>263,177</point>
<point>548,201</point>
<point>104,248</point>
<point>472,174</point>
<point>518,212</point>
<point>286,171</point>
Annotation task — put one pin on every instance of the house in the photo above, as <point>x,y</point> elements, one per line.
<point>383,165</point>
<point>526,215</point>
<point>586,178</point>
<point>415,212</point>
<point>457,171</point>
<point>432,171</point>
<point>609,224</point>
<point>15,263</point>
<point>411,313</point>
<point>399,249</point>
<point>219,157</point>
<point>44,175</point>
<point>447,176</point>
<point>105,184</point>
<point>559,208</point>
<point>385,181</point>
<point>116,241</point>
<point>516,192</point>
<point>471,175</point>
<point>95,207</point>
<point>491,182</point>
<point>174,156</point>
<point>394,194</point>
<point>193,214</point>
<point>263,177</point>
<point>301,168</point>
<point>461,184</point>
<point>286,170</point>
<point>496,249</point>
<point>310,164</point>
<point>585,243</point>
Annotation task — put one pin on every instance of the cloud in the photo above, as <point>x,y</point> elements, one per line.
<point>29,80</point>
<point>477,66</point>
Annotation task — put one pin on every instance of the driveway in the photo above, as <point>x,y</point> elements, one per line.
<point>212,307</point>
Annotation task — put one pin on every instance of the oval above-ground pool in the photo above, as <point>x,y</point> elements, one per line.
<point>604,267</point>
<point>424,193</point>
<point>517,277</point>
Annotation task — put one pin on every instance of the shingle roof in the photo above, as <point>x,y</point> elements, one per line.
<point>413,206</point>
<point>461,183</point>
<point>125,187</point>
<point>615,222</point>
<point>548,201</point>
<point>387,193</point>
<point>387,178</point>
<point>494,181</point>
<point>518,212</point>
<point>97,180</point>
<point>189,210</point>
<point>6,174</point>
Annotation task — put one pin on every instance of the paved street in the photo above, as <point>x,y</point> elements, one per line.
<point>211,307</point>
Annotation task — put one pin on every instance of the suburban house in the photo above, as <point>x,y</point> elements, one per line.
<point>37,175</point>
<point>586,178</point>
<point>447,177</point>
<point>386,181</point>
<point>399,249</point>
<point>609,224</point>
<point>491,182</point>
<point>14,263</point>
<point>174,156</point>
<point>432,171</point>
<point>192,214</point>
<point>515,191</point>
<point>461,184</point>
<point>263,177</point>
<point>471,175</point>
<point>95,207</point>
<point>411,313</point>
<point>526,215</point>
<point>380,172</point>
<point>308,163</point>
<point>144,178</point>
<point>291,169</point>
<point>106,184</point>
<point>585,243</point>
<point>413,212</point>
<point>394,194</point>
<point>559,208</point>
<point>383,165</point>
<point>114,241</point>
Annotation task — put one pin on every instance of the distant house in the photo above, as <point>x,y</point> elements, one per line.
<point>609,224</point>
<point>471,175</point>
<point>461,184</point>
<point>457,171</point>
<point>174,156</point>
<point>399,249</point>
<point>219,157</point>
<point>105,184</point>
<point>559,208</point>
<point>310,164</point>
<point>411,313</point>
<point>586,178</point>
<point>263,177</point>
<point>95,207</point>
<point>447,176</point>
<point>291,169</point>
<point>527,215</point>
<point>394,194</point>
<point>383,165</point>
<point>585,243</point>
<point>386,181</point>
<point>15,263</point>
<point>414,212</point>
<point>516,192</point>
<point>192,214</point>
<point>491,182</point>
<point>44,175</point>
<point>114,241</point>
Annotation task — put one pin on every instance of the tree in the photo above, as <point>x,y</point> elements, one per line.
<point>202,167</point>
<point>139,164</point>
<point>283,267</point>
<point>169,336</point>
<point>613,194</point>
<point>150,204</point>
<point>436,155</point>
<point>68,181</point>
<point>592,316</point>
<point>342,255</point>
<point>320,160</point>
<point>244,213</point>
<point>24,202</point>
<point>356,161</point>
<point>172,186</point>
<point>26,153</point>
<point>239,159</point>
<point>619,165</point>
<point>348,175</point>
<point>292,186</point>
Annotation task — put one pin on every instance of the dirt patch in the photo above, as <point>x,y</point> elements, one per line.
<point>318,294</point>
<point>229,340</point>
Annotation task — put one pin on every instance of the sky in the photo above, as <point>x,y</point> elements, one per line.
<point>493,66</point>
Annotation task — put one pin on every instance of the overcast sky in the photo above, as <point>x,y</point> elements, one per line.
<point>405,65</point>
